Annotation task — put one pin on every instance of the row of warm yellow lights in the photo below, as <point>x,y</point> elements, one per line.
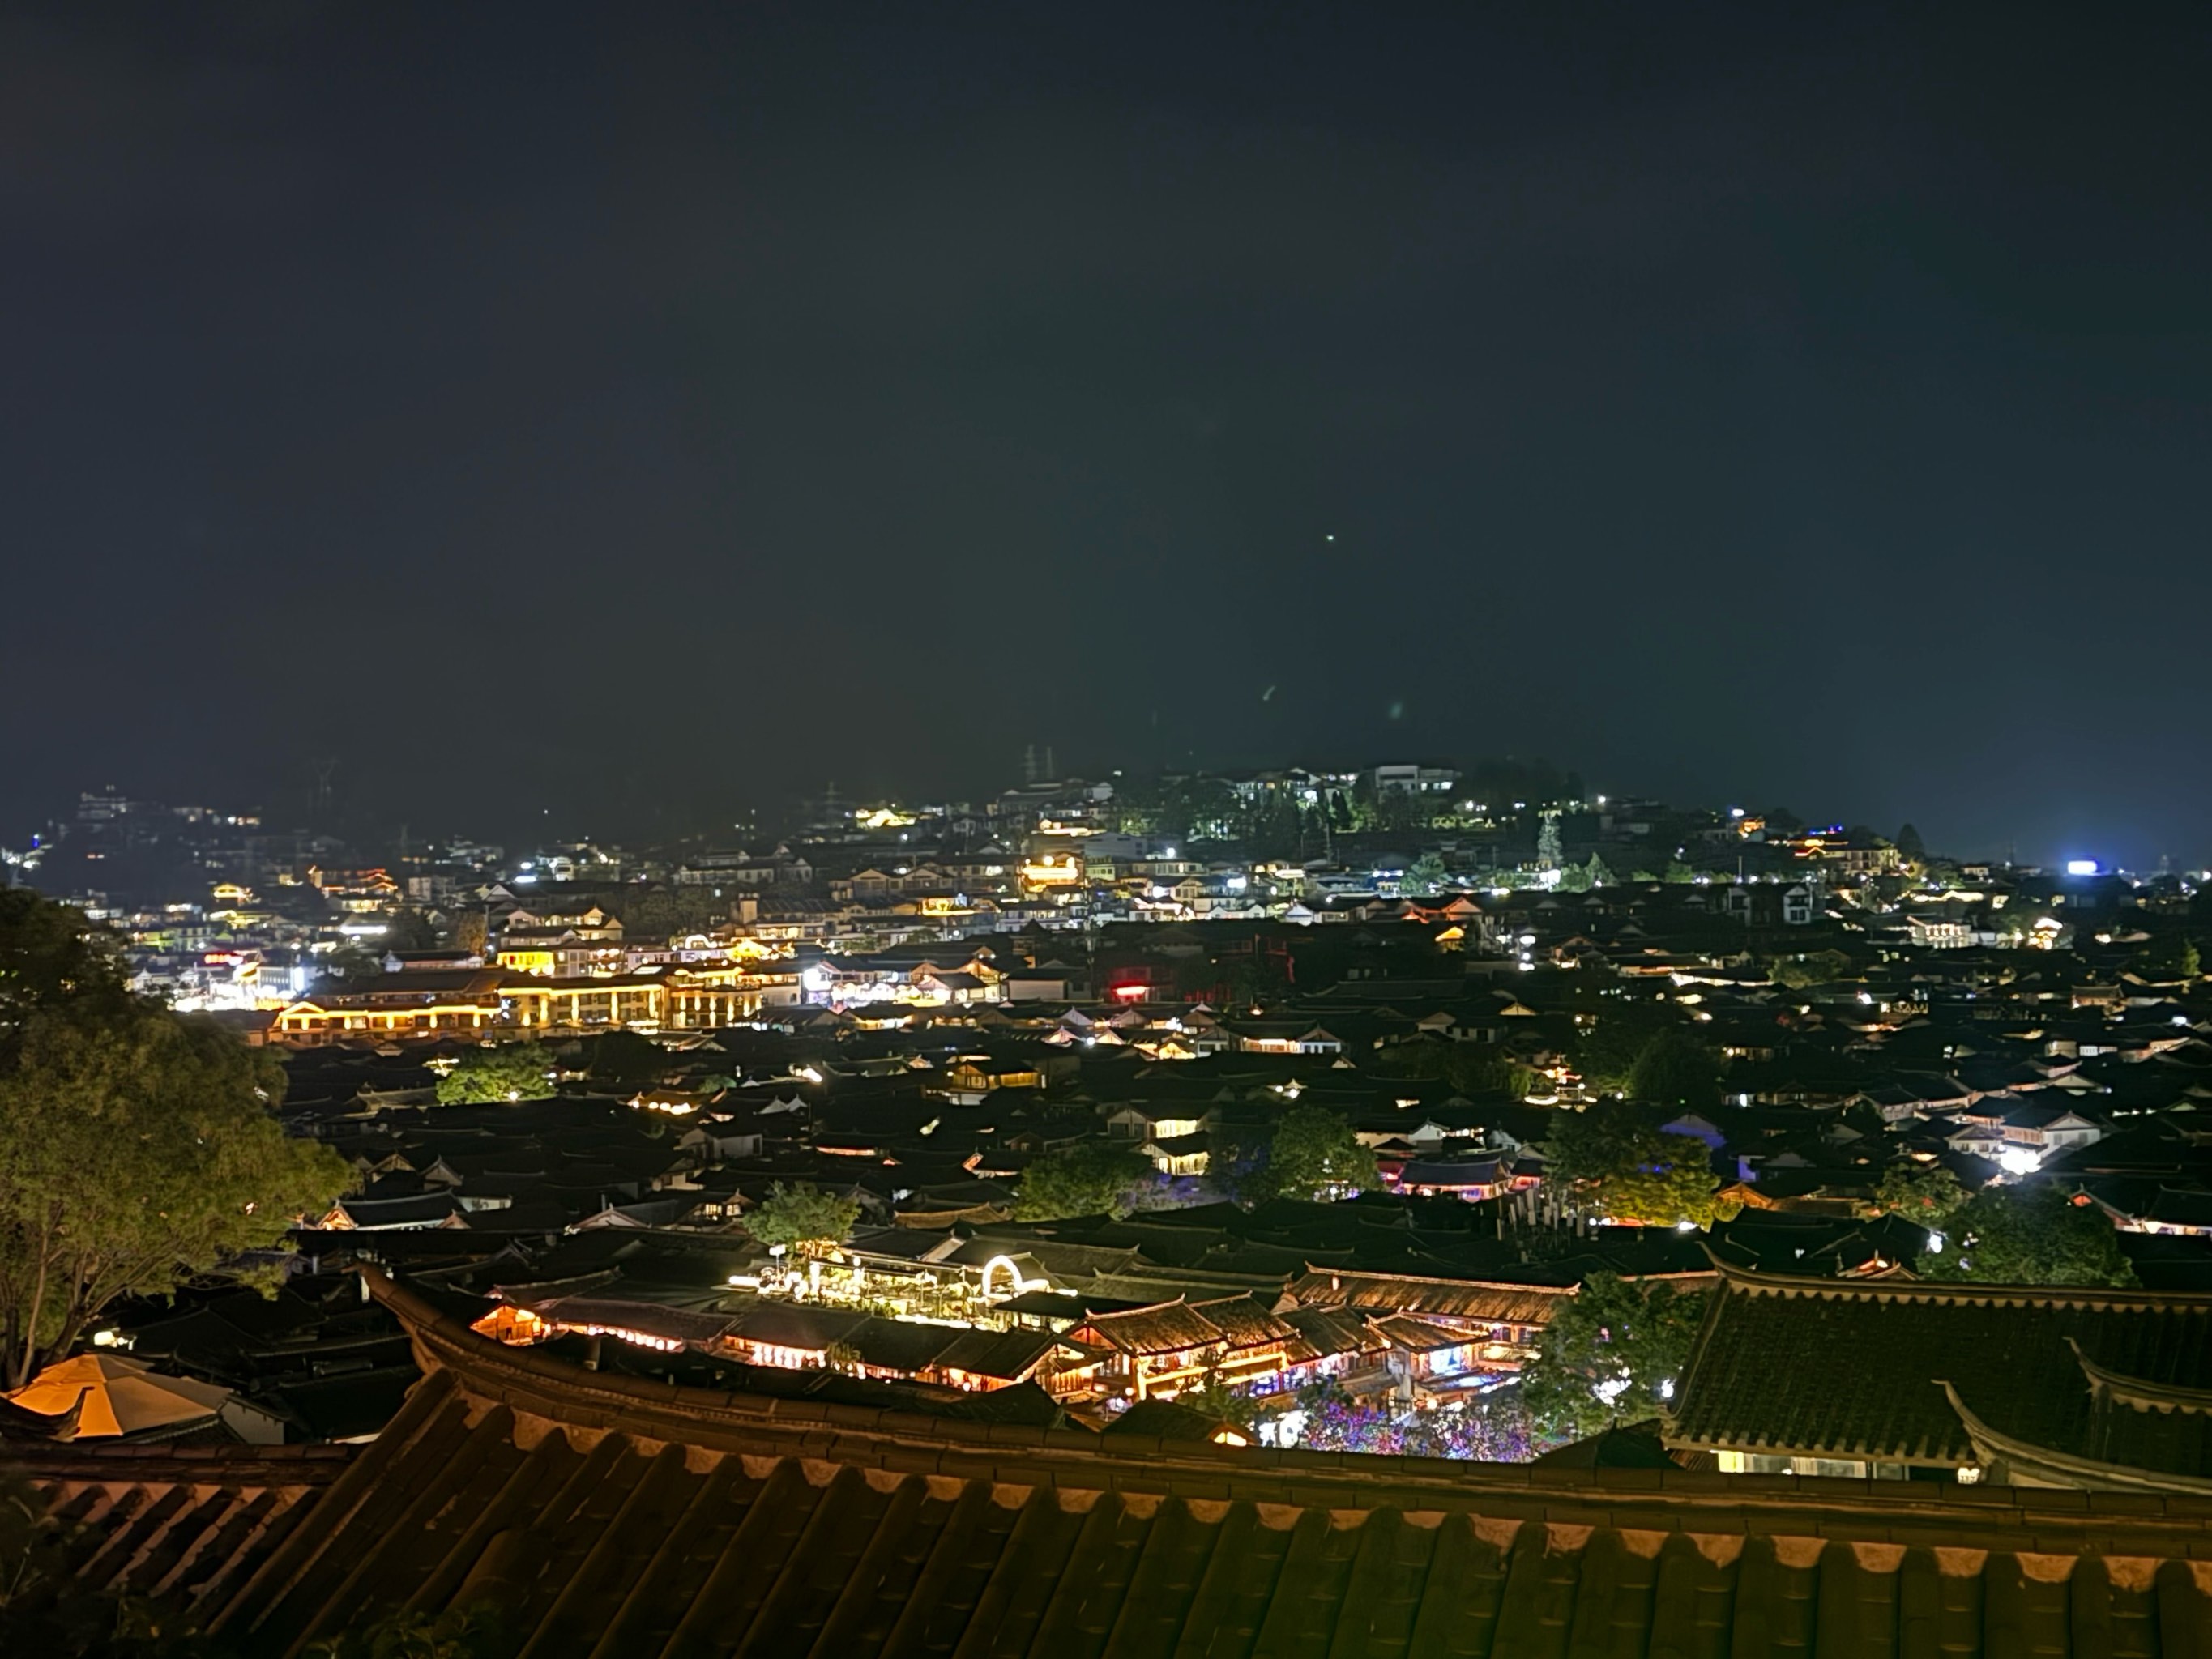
<point>539,959</point>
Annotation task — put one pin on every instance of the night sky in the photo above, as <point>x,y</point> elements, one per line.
<point>632,412</point>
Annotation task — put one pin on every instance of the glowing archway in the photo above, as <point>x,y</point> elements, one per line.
<point>1016,1285</point>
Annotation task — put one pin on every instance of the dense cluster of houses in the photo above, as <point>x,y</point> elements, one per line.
<point>225,911</point>
<point>911,1034</point>
<point>614,1216</point>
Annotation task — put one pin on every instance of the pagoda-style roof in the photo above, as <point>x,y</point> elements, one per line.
<point>1858,1369</point>
<point>616,1516</point>
<point>2137,1436</point>
<point>1451,1298</point>
<point>1167,1328</point>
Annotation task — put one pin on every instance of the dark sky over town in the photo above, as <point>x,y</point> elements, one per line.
<point>576,408</point>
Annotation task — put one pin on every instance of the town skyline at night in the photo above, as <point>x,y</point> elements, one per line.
<point>849,830</point>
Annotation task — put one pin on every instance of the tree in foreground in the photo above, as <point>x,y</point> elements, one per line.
<point>803,1215</point>
<point>1313,1153</point>
<point>1092,1177</point>
<point>138,1149</point>
<point>511,1071</point>
<point>1612,1353</point>
<point>2035,1234</point>
<point>50,956</point>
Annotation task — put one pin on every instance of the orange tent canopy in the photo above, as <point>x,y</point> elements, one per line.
<point>122,1396</point>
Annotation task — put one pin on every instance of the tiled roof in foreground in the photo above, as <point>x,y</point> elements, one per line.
<point>185,1523</point>
<point>616,1517</point>
<point>1857,1368</point>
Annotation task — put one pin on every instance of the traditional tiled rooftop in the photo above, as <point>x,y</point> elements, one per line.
<point>188,1523</point>
<point>1854,1369</point>
<point>614,1516</point>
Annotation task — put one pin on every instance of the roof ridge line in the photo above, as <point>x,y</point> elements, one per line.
<point>1965,1290</point>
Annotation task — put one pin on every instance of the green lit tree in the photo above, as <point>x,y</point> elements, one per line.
<point>802,1216</point>
<point>51,955</point>
<point>511,1071</point>
<point>1674,1186</point>
<point>1580,877</point>
<point>1615,1035</point>
<point>2038,1235</point>
<point>1799,973</point>
<point>2166,960</point>
<point>1547,843</point>
<point>1926,1192</point>
<point>1581,1146</point>
<point>137,1150</point>
<point>2017,922</point>
<point>471,931</point>
<point>1612,1353</point>
<point>1610,1160</point>
<point>1313,1153</point>
<point>1424,878</point>
<point>1092,1177</point>
<point>1215,1397</point>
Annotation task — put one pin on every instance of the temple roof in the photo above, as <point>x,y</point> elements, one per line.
<point>1855,1368</point>
<point>617,1517</point>
<point>1386,1293</point>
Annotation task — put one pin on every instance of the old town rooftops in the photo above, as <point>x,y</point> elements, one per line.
<point>1856,1368</point>
<point>615,1515</point>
